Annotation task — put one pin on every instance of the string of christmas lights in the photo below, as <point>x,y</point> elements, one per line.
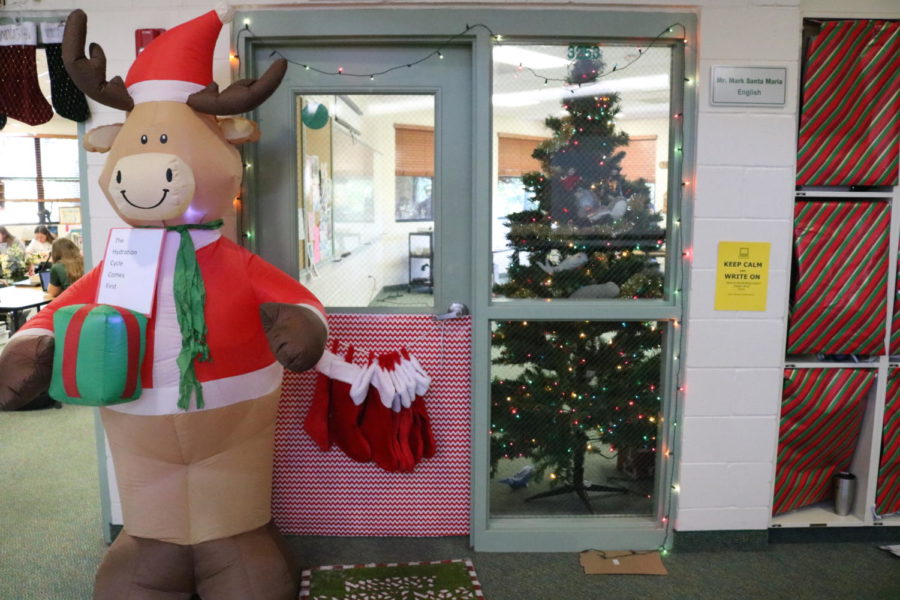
<point>680,389</point>
<point>672,439</point>
<point>438,52</point>
<point>615,68</point>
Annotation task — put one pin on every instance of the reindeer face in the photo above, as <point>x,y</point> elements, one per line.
<point>169,165</point>
<point>171,162</point>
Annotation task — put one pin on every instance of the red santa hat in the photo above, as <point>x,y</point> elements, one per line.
<point>178,63</point>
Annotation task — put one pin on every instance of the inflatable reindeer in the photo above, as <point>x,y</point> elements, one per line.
<point>193,451</point>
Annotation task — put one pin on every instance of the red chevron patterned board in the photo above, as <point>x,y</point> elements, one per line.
<point>821,416</point>
<point>327,493</point>
<point>850,115</point>
<point>887,495</point>
<point>840,294</point>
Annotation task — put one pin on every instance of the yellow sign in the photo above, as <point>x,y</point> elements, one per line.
<point>742,275</point>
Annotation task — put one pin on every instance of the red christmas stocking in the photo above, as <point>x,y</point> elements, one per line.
<point>404,393</point>
<point>316,422</point>
<point>422,437</point>
<point>343,424</point>
<point>20,94</point>
<point>378,419</point>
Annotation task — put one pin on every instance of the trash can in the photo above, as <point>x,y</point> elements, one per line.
<point>844,492</point>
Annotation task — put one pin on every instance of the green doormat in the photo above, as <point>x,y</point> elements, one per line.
<point>440,580</point>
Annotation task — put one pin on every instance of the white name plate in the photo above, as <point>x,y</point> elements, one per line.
<point>748,86</point>
<point>130,268</point>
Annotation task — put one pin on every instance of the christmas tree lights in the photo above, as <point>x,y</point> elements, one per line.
<point>580,388</point>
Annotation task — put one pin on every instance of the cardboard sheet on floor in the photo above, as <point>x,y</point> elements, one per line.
<point>622,562</point>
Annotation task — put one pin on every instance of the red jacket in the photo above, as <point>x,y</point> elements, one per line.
<point>241,365</point>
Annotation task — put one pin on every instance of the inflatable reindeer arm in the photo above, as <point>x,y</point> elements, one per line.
<point>292,318</point>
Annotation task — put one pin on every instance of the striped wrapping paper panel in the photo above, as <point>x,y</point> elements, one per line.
<point>850,116</point>
<point>840,294</point>
<point>821,416</point>
<point>887,496</point>
<point>327,493</point>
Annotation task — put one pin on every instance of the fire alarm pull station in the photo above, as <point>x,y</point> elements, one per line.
<point>142,37</point>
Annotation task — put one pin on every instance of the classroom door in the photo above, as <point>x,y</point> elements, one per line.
<point>361,187</point>
<point>384,181</point>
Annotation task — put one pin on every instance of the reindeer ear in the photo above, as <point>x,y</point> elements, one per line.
<point>100,139</point>
<point>238,130</point>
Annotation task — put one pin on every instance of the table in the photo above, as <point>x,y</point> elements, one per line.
<point>14,300</point>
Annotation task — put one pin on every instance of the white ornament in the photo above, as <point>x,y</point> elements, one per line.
<point>597,290</point>
<point>570,262</point>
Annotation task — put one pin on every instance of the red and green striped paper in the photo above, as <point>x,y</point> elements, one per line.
<point>850,115</point>
<point>894,345</point>
<point>887,496</point>
<point>97,355</point>
<point>840,294</point>
<point>821,415</point>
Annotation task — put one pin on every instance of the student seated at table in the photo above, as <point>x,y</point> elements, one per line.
<point>41,243</point>
<point>10,244</point>
<point>68,266</point>
<point>8,240</point>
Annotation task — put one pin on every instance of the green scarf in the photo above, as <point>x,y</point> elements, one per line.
<point>190,298</point>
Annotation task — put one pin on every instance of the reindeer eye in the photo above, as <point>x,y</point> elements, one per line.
<point>118,176</point>
<point>163,139</point>
<point>143,139</point>
<point>169,175</point>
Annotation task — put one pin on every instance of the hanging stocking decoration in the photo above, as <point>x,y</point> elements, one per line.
<point>402,418</point>
<point>20,93</point>
<point>343,422</point>
<point>68,100</point>
<point>422,437</point>
<point>378,420</point>
<point>316,422</point>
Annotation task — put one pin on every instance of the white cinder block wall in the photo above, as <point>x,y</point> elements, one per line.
<point>742,186</point>
<point>743,192</point>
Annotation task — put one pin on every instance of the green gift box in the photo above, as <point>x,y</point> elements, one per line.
<point>98,354</point>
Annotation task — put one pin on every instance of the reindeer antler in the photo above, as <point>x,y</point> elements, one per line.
<point>241,96</point>
<point>89,74</point>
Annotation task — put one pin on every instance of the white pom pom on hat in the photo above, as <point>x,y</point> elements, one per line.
<point>178,63</point>
<point>225,12</point>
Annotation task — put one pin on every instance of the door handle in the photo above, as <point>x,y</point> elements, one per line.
<point>454,311</point>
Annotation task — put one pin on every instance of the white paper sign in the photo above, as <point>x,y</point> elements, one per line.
<point>130,268</point>
<point>765,86</point>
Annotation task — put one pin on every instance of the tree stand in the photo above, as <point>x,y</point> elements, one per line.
<point>579,486</point>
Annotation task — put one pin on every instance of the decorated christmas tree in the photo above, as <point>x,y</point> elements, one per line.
<point>563,390</point>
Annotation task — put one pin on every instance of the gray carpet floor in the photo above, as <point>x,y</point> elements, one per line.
<point>51,542</point>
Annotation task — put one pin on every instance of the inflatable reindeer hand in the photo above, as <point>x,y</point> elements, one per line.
<point>296,334</point>
<point>25,368</point>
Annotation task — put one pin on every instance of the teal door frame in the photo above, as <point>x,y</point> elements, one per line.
<point>427,25</point>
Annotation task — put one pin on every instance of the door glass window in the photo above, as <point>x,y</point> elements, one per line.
<point>366,202</point>
<point>579,213</point>
<point>575,417</point>
<point>580,197</point>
